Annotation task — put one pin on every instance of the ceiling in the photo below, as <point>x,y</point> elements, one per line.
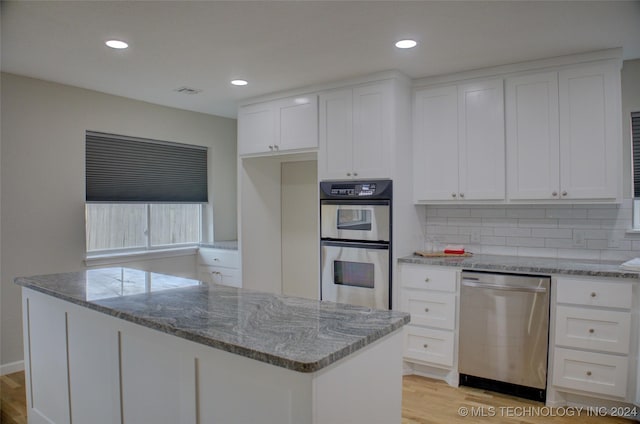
<point>280,45</point>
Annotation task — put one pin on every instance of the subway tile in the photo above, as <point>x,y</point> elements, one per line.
<point>565,233</point>
<point>560,213</point>
<point>538,252</point>
<point>525,241</point>
<point>456,239</point>
<point>436,221</point>
<point>454,212</point>
<point>500,250</point>
<point>635,245</point>
<point>538,223</point>
<point>474,222</point>
<point>488,212</point>
<point>607,213</point>
<point>525,213</point>
<point>617,255</point>
<point>499,222</point>
<point>601,244</point>
<point>440,229</point>
<point>560,243</point>
<point>595,234</point>
<point>622,223</point>
<point>484,231</point>
<point>579,223</point>
<point>430,211</point>
<point>492,240</point>
<point>512,232</point>
<point>579,254</point>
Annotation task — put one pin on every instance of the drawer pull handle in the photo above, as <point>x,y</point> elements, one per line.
<point>426,280</point>
<point>588,373</point>
<point>593,294</point>
<point>591,330</point>
<point>426,309</point>
<point>216,259</point>
<point>425,345</point>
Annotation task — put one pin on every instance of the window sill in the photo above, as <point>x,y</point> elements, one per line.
<point>633,232</point>
<point>118,258</point>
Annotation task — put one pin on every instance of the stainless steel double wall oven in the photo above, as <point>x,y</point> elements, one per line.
<point>355,242</point>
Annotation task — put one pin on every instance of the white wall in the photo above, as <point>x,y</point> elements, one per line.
<point>630,103</point>
<point>42,177</point>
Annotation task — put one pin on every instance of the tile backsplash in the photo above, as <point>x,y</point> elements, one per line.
<point>553,231</point>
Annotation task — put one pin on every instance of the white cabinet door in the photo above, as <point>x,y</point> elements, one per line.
<point>481,140</point>
<point>256,128</point>
<point>372,153</point>
<point>45,332</point>
<point>533,141</point>
<point>335,157</point>
<point>435,144</point>
<point>589,131</point>
<point>297,123</point>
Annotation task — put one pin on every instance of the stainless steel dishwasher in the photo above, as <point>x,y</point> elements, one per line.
<point>504,333</point>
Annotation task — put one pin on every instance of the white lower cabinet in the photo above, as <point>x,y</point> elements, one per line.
<point>593,331</point>
<point>429,294</point>
<point>219,266</point>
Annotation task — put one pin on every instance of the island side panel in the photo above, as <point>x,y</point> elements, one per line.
<point>45,352</point>
<point>365,387</point>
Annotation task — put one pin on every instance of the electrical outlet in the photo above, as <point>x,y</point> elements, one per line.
<point>475,235</point>
<point>578,238</point>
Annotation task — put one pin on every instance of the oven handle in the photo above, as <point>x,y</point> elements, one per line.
<point>355,244</point>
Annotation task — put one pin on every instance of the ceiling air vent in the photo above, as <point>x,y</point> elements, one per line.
<point>188,90</point>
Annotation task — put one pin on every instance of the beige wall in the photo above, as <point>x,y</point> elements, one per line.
<point>630,103</point>
<point>42,176</point>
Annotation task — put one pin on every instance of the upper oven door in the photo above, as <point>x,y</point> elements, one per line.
<point>347,220</point>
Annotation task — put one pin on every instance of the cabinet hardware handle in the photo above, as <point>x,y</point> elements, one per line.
<point>461,195</point>
<point>593,294</point>
<point>355,174</point>
<point>591,330</point>
<point>453,195</point>
<point>554,194</point>
<point>426,280</point>
<point>216,272</point>
<point>588,373</point>
<point>425,345</point>
<point>216,259</point>
<point>276,147</point>
<point>270,147</point>
<point>348,174</point>
<point>564,193</point>
<point>426,309</point>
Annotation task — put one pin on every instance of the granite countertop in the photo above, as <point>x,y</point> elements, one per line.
<point>294,333</point>
<point>224,244</point>
<point>529,265</point>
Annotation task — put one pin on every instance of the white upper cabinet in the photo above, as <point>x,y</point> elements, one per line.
<point>458,143</point>
<point>533,138</point>
<point>356,132</point>
<point>589,131</point>
<point>563,134</point>
<point>289,124</point>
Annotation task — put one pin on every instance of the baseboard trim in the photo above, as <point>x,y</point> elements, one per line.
<point>12,367</point>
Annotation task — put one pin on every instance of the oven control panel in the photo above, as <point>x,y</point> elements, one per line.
<point>379,189</point>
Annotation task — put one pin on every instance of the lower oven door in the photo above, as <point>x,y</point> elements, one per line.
<point>355,273</point>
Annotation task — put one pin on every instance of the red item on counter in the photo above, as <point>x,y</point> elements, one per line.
<point>454,251</point>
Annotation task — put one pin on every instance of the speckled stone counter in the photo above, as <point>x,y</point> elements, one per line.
<point>529,265</point>
<point>297,334</point>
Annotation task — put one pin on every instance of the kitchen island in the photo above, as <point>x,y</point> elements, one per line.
<point>121,345</point>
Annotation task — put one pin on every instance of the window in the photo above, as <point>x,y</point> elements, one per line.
<point>635,143</point>
<point>142,194</point>
<point>121,227</point>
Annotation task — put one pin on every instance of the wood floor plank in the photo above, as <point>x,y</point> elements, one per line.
<point>424,401</point>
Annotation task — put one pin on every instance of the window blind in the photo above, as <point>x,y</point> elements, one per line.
<point>635,136</point>
<point>129,169</point>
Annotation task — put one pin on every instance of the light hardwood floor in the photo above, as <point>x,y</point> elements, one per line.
<point>424,401</point>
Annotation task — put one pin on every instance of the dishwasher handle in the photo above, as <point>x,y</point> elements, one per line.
<point>479,285</point>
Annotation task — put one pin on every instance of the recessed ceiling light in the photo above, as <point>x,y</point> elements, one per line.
<point>239,82</point>
<point>117,44</point>
<point>406,44</point>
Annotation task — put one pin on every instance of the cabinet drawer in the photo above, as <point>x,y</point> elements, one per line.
<point>593,329</point>
<point>429,278</point>
<point>219,257</point>
<point>594,293</point>
<point>591,372</point>
<point>427,345</point>
<point>433,309</point>
<point>220,275</point>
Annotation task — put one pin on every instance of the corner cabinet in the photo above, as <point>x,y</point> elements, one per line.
<point>458,143</point>
<point>563,134</point>
<point>284,125</point>
<point>356,132</point>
